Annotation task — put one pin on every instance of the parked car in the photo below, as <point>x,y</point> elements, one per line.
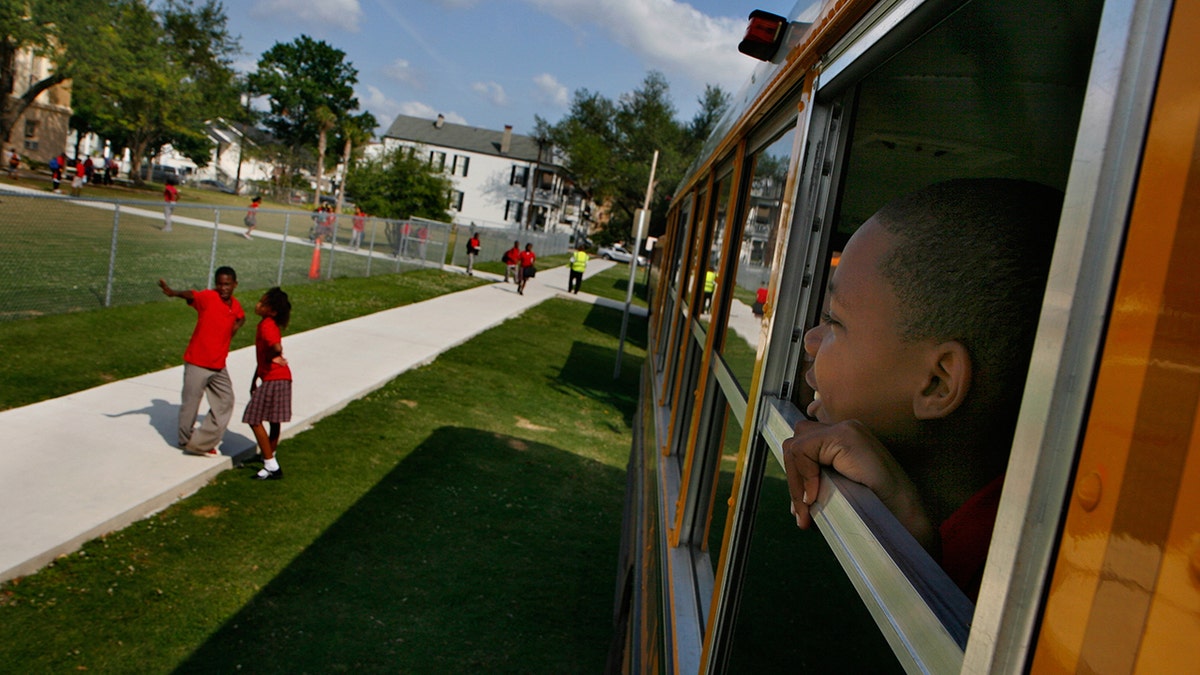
<point>619,253</point>
<point>212,184</point>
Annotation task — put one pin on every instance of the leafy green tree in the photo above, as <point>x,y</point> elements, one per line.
<point>170,73</point>
<point>355,131</point>
<point>75,35</point>
<point>610,146</point>
<point>311,89</point>
<point>714,102</point>
<point>400,184</point>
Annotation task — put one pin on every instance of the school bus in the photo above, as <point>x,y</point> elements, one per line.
<point>1094,562</point>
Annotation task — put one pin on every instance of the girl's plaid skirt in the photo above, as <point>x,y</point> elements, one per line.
<point>271,402</point>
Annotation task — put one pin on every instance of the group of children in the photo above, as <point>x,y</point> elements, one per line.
<point>219,315</point>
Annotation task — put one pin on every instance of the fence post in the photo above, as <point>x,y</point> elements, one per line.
<point>332,247</point>
<point>287,222</point>
<point>112,256</point>
<point>371,247</point>
<point>212,256</point>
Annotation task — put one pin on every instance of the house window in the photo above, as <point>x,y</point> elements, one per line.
<point>31,128</point>
<point>545,180</point>
<point>437,160</point>
<point>520,176</point>
<point>513,211</point>
<point>456,200</point>
<point>461,163</point>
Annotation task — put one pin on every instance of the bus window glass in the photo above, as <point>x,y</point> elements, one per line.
<point>750,267</point>
<point>712,267</point>
<point>725,442</point>
<point>694,261</point>
<point>799,612</point>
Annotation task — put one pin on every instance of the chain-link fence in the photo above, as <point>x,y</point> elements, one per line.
<point>61,254</point>
<point>493,242</point>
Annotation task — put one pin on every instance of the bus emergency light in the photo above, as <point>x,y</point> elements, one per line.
<point>763,35</point>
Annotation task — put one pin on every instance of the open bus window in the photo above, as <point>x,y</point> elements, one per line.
<point>950,105</point>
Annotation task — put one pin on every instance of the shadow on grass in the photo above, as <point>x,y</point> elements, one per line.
<point>479,552</point>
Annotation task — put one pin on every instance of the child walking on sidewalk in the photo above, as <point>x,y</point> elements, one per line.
<point>272,400</point>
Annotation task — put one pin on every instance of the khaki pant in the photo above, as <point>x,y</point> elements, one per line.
<point>198,382</point>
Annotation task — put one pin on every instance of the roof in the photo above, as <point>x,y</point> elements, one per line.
<point>463,137</point>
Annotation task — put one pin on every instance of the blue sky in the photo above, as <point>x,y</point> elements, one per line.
<point>488,63</point>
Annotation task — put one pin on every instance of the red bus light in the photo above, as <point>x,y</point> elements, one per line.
<point>763,35</point>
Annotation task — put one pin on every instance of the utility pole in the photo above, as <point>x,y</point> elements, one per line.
<point>640,222</point>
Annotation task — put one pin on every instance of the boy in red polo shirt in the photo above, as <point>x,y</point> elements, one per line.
<point>219,316</point>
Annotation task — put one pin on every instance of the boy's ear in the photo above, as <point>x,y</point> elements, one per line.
<point>948,382</point>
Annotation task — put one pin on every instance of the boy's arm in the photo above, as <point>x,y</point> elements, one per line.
<point>850,449</point>
<point>172,293</point>
<point>237,324</point>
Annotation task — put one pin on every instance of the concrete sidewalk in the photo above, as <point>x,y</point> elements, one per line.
<point>77,467</point>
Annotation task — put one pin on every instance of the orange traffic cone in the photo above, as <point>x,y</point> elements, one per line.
<point>314,270</point>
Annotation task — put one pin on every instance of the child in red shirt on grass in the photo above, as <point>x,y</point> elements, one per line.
<point>272,400</point>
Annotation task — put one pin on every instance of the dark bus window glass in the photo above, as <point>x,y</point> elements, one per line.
<point>751,266</point>
<point>726,440</point>
<point>799,613</point>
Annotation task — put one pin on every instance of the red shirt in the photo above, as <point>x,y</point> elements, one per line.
<point>512,255</point>
<point>966,535</point>
<point>209,345</point>
<point>760,296</point>
<point>170,194</point>
<point>527,258</point>
<point>265,339</point>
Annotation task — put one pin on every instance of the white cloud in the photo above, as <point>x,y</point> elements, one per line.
<point>491,91</point>
<point>403,72</point>
<point>666,35</point>
<point>550,90</point>
<point>344,14</point>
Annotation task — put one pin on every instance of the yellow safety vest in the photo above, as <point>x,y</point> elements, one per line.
<point>710,281</point>
<point>579,261</point>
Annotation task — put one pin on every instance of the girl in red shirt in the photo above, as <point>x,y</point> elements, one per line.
<point>527,270</point>
<point>272,400</point>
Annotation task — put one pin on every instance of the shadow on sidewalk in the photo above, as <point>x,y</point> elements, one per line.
<point>163,417</point>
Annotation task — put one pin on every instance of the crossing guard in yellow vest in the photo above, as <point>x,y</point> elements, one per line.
<point>578,264</point>
<point>710,285</point>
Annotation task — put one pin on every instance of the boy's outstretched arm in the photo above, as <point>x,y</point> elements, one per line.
<point>850,449</point>
<point>172,293</point>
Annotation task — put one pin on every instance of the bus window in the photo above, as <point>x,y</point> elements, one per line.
<point>751,268</point>
<point>994,89</point>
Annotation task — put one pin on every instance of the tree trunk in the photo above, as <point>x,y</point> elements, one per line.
<point>341,196</point>
<point>320,167</point>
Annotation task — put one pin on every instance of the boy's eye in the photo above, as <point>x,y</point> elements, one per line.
<point>827,319</point>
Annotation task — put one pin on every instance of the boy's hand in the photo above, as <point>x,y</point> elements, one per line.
<point>165,288</point>
<point>850,449</point>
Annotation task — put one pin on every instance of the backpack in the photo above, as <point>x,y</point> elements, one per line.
<point>54,164</point>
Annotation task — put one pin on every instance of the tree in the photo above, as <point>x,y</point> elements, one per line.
<point>75,35</point>
<point>714,102</point>
<point>311,88</point>
<point>169,73</point>
<point>400,185</point>
<point>609,146</point>
<point>356,131</point>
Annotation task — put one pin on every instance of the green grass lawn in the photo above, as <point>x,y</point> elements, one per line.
<point>463,518</point>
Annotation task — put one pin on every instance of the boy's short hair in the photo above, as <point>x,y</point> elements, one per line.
<point>969,263</point>
<point>225,269</point>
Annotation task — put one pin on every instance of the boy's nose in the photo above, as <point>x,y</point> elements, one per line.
<point>812,339</point>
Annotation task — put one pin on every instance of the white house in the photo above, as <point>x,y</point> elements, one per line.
<point>501,179</point>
